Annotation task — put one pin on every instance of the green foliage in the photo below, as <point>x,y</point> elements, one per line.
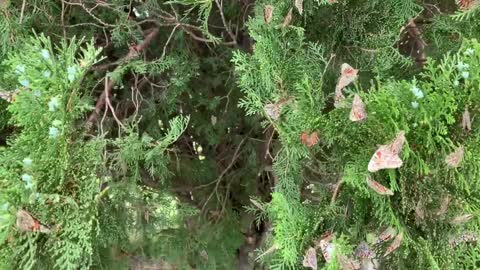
<point>144,143</point>
<point>432,132</point>
<point>57,181</point>
<point>363,33</point>
<point>204,9</point>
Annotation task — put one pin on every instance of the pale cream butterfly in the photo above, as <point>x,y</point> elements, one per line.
<point>461,219</point>
<point>268,13</point>
<point>299,6</point>
<point>377,187</point>
<point>347,263</point>
<point>358,112</point>
<point>466,122</point>
<point>387,156</point>
<point>454,159</point>
<point>347,75</point>
<point>310,258</point>
<point>444,206</point>
<point>327,247</point>
<point>287,19</point>
<point>386,235</point>
<point>394,245</point>
<point>465,237</point>
<point>26,222</point>
<point>364,251</point>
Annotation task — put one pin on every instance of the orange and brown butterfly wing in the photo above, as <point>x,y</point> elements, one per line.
<point>26,222</point>
<point>309,140</point>
<point>348,71</point>
<point>467,4</point>
<point>387,156</point>
<point>347,75</point>
<point>304,138</point>
<point>313,140</point>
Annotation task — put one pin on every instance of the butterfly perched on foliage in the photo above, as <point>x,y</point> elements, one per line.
<point>364,251</point>
<point>273,110</point>
<point>465,237</point>
<point>348,263</point>
<point>461,219</point>
<point>444,206</point>
<point>394,245</point>
<point>387,156</point>
<point>386,235</point>
<point>468,4</point>
<point>327,246</point>
<point>9,96</point>
<point>288,18</point>
<point>26,222</point>
<point>309,140</point>
<point>268,13</point>
<point>358,112</point>
<point>377,187</point>
<point>347,75</point>
<point>299,6</point>
<point>454,159</point>
<point>310,258</point>
<point>466,122</point>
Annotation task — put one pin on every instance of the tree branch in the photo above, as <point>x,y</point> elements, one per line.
<point>133,53</point>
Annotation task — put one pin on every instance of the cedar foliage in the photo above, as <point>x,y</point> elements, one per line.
<point>137,132</point>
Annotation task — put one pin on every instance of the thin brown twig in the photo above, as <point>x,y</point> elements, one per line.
<point>22,11</point>
<point>89,11</point>
<point>107,100</point>
<point>229,166</point>
<point>168,40</point>
<point>335,192</point>
<point>133,52</point>
<point>224,21</point>
<point>83,24</point>
<point>62,20</point>
<point>173,20</point>
<point>267,148</point>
